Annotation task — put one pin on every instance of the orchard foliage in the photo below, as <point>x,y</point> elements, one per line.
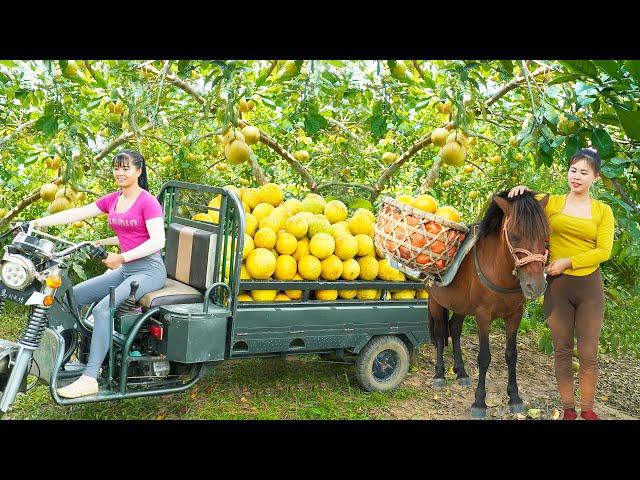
<point>352,129</point>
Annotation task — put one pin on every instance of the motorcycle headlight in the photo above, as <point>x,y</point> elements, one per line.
<point>17,272</point>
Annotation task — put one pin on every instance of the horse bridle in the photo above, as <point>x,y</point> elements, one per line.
<point>528,258</point>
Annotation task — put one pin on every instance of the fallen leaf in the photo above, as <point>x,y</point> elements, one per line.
<point>521,416</point>
<point>555,414</point>
<point>533,413</point>
<point>243,399</point>
<point>161,416</point>
<point>604,398</point>
<point>436,397</point>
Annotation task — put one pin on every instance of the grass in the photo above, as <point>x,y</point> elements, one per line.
<point>298,388</point>
<point>267,389</point>
<point>270,388</point>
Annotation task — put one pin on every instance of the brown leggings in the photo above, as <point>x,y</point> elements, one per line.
<point>575,303</point>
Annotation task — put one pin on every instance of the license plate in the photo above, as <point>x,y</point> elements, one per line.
<point>16,296</point>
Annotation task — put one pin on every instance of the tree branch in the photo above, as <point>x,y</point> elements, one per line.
<point>10,137</point>
<point>177,82</point>
<point>624,195</point>
<point>274,64</point>
<point>257,172</point>
<point>343,127</point>
<point>344,184</point>
<point>124,138</point>
<point>432,175</point>
<point>33,197</point>
<point>512,85</point>
<point>391,170</point>
<point>297,166</point>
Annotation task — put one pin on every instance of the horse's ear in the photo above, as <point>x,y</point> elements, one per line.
<point>543,201</point>
<point>503,203</point>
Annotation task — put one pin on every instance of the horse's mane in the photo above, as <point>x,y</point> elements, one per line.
<point>529,218</point>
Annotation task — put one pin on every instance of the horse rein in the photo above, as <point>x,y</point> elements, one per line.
<point>528,258</point>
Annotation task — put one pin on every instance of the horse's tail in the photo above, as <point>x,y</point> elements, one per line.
<point>445,316</point>
<point>431,327</point>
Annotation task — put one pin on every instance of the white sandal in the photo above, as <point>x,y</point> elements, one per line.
<point>80,388</point>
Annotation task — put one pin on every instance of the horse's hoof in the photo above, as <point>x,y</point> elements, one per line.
<point>517,407</point>
<point>439,382</point>
<point>464,381</point>
<point>477,412</point>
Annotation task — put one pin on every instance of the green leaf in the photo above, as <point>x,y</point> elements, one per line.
<point>633,67</point>
<point>621,161</point>
<point>564,78</point>
<point>336,63</point>
<point>377,108</point>
<point>602,141</point>
<point>610,67</point>
<point>607,119</point>
<point>8,63</point>
<point>630,122</point>
<point>47,124</point>
<point>314,122</point>
<point>573,144</point>
<point>507,65</point>
<point>545,157</point>
<point>585,67</point>
<point>378,125</point>
<point>269,102</point>
<point>612,171</point>
<point>80,271</point>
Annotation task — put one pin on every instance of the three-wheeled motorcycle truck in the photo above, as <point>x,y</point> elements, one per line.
<point>164,342</point>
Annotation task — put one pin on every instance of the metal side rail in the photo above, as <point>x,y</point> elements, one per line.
<point>108,394</point>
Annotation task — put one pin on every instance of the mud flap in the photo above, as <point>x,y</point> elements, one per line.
<point>7,352</point>
<point>44,358</point>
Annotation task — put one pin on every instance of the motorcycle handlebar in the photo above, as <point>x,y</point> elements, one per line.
<point>96,251</point>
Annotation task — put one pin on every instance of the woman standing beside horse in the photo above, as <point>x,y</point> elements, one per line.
<point>581,239</point>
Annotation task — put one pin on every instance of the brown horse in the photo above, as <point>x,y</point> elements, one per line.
<point>505,267</point>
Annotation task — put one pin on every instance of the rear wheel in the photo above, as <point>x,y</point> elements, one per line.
<point>382,364</point>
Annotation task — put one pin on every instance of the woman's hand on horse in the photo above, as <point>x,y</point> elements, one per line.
<point>518,190</point>
<point>113,260</point>
<point>558,266</point>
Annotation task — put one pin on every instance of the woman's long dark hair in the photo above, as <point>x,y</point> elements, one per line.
<point>136,159</point>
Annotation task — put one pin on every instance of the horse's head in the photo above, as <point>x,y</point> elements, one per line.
<point>525,230</point>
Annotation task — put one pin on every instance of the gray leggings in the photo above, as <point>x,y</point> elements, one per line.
<point>149,272</point>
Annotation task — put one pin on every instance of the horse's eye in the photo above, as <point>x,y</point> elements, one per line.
<point>514,238</point>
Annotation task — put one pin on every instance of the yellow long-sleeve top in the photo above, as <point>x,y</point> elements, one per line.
<point>587,242</point>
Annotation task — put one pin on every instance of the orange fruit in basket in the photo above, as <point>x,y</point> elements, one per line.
<point>461,237</point>
<point>411,220</point>
<point>390,246</point>
<point>453,251</point>
<point>452,235</point>
<point>437,247</point>
<point>449,213</point>
<point>422,259</point>
<point>433,228</point>
<point>404,252</point>
<point>417,240</point>
<point>440,264</point>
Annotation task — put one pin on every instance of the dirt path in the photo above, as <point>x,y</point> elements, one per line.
<point>615,397</point>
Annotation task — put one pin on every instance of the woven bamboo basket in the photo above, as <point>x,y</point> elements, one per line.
<point>417,239</point>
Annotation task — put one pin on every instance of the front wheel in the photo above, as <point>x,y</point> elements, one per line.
<point>382,364</point>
